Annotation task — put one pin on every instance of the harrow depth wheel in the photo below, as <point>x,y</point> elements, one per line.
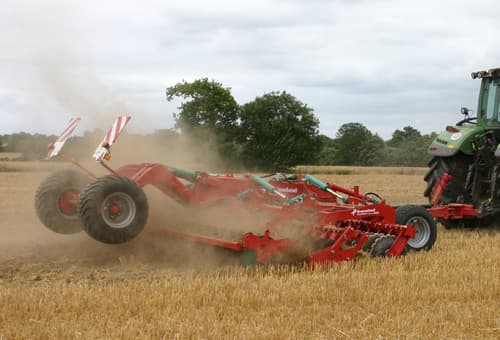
<point>113,209</point>
<point>56,201</point>
<point>419,218</point>
<point>118,210</point>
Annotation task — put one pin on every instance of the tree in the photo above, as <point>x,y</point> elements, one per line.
<point>278,131</point>
<point>408,147</point>
<point>206,105</point>
<point>404,150</point>
<point>408,134</point>
<point>209,113</point>
<point>32,147</point>
<point>328,150</point>
<point>356,145</point>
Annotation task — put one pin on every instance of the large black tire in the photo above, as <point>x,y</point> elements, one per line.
<point>56,201</point>
<point>457,167</point>
<point>422,220</point>
<point>113,209</point>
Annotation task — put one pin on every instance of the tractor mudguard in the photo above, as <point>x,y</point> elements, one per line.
<point>448,143</point>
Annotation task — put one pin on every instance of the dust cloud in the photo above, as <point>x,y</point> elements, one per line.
<point>62,78</point>
<point>26,240</point>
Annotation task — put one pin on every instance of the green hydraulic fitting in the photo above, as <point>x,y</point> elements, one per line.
<point>189,175</point>
<point>263,183</point>
<point>297,199</point>
<point>242,195</point>
<point>316,182</point>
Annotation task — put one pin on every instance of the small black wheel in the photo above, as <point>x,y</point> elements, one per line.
<point>418,217</point>
<point>56,201</point>
<point>381,245</point>
<point>113,209</point>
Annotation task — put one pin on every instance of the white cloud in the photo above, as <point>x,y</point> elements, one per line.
<point>386,64</point>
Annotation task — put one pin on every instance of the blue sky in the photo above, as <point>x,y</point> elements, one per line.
<point>386,64</point>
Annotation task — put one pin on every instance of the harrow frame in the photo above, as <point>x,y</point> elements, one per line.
<point>343,228</point>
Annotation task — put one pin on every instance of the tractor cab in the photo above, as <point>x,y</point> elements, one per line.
<point>489,98</point>
<point>461,136</point>
<point>467,154</point>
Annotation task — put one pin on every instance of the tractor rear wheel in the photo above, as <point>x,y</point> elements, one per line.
<point>113,209</point>
<point>56,201</point>
<point>419,218</point>
<point>457,167</point>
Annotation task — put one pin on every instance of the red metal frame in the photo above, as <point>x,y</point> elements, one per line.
<point>347,227</point>
<point>451,211</point>
<point>343,228</point>
<point>316,197</point>
<point>454,211</point>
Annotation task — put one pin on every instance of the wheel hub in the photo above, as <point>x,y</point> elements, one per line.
<point>422,234</point>
<point>118,210</point>
<point>67,203</point>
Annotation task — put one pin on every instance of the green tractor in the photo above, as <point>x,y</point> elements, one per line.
<point>470,154</point>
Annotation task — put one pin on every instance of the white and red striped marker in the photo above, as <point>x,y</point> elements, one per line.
<point>102,151</point>
<point>56,147</point>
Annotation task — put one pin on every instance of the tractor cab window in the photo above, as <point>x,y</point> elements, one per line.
<point>491,100</point>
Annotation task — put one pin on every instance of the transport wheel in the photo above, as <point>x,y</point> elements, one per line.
<point>381,245</point>
<point>422,220</point>
<point>113,209</point>
<point>56,201</point>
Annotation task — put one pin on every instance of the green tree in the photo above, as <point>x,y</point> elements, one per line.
<point>278,131</point>
<point>207,104</point>
<point>328,151</point>
<point>402,136</point>
<point>32,147</point>
<point>409,149</point>
<point>356,145</point>
<point>209,113</point>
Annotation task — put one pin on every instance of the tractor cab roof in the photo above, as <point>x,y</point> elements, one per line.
<point>491,73</point>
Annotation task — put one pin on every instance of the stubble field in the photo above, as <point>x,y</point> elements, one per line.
<point>56,287</point>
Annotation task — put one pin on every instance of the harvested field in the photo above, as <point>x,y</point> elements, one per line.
<point>55,286</point>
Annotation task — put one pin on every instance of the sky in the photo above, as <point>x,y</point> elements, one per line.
<point>385,64</point>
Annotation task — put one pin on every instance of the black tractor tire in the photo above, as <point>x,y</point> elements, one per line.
<point>426,229</point>
<point>381,245</point>
<point>56,201</point>
<point>113,209</point>
<point>457,167</point>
